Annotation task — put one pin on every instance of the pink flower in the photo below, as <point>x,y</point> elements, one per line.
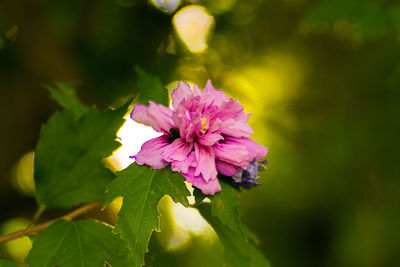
<point>206,133</point>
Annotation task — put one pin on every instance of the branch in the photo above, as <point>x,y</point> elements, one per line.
<point>70,216</point>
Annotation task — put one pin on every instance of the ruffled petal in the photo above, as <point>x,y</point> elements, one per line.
<point>209,139</point>
<point>236,128</point>
<point>232,109</point>
<point>205,162</point>
<point>183,166</point>
<point>210,95</point>
<point>155,115</point>
<point>152,153</point>
<point>140,115</point>
<point>232,152</point>
<point>225,168</point>
<point>256,151</point>
<point>177,151</point>
<point>197,90</point>
<point>162,115</point>
<point>209,187</point>
<point>180,93</point>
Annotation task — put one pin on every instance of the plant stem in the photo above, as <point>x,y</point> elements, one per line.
<point>70,216</point>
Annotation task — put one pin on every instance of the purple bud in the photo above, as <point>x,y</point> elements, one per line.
<point>246,178</point>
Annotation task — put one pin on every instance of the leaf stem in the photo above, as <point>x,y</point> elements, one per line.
<point>37,215</point>
<point>69,216</point>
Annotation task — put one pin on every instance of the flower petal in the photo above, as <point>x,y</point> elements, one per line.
<point>225,168</point>
<point>236,128</point>
<point>181,92</point>
<point>209,139</point>
<point>183,166</point>
<point>155,115</point>
<point>232,109</point>
<point>205,162</point>
<point>211,96</point>
<point>177,150</point>
<point>256,151</point>
<point>209,187</point>
<point>152,153</point>
<point>232,152</point>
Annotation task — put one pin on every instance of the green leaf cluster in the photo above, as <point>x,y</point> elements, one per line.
<point>142,188</point>
<point>68,169</point>
<point>68,172</point>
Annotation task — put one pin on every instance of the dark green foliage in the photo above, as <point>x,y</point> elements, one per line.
<point>222,214</point>
<point>68,168</point>
<point>151,88</point>
<point>65,95</point>
<point>142,188</point>
<point>370,18</point>
<point>238,251</point>
<point>9,263</point>
<point>224,206</point>
<point>85,243</point>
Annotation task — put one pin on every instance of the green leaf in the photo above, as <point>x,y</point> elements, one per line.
<point>78,243</point>
<point>66,96</point>
<point>238,251</point>
<point>9,263</point>
<point>142,188</point>
<point>224,205</point>
<point>68,168</point>
<point>151,88</point>
<point>198,195</point>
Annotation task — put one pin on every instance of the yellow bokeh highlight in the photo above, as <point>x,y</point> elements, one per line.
<point>265,87</point>
<point>18,249</point>
<point>185,223</point>
<point>131,135</point>
<point>23,176</point>
<point>193,24</point>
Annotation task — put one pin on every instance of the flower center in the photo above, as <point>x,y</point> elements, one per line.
<point>174,134</point>
<point>204,127</point>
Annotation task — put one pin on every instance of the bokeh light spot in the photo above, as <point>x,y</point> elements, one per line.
<point>189,219</point>
<point>23,178</point>
<point>193,24</point>
<point>18,249</point>
<point>166,5</point>
<point>131,135</point>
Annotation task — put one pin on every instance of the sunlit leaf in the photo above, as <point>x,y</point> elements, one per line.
<point>85,243</point>
<point>142,188</point>
<point>238,250</point>
<point>65,95</point>
<point>151,88</point>
<point>68,168</point>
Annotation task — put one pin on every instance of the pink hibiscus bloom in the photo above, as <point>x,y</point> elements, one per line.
<point>206,133</point>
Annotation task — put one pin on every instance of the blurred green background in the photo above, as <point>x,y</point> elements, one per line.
<point>321,79</point>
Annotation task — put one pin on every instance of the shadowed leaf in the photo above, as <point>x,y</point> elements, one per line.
<point>238,251</point>
<point>66,96</point>
<point>151,88</point>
